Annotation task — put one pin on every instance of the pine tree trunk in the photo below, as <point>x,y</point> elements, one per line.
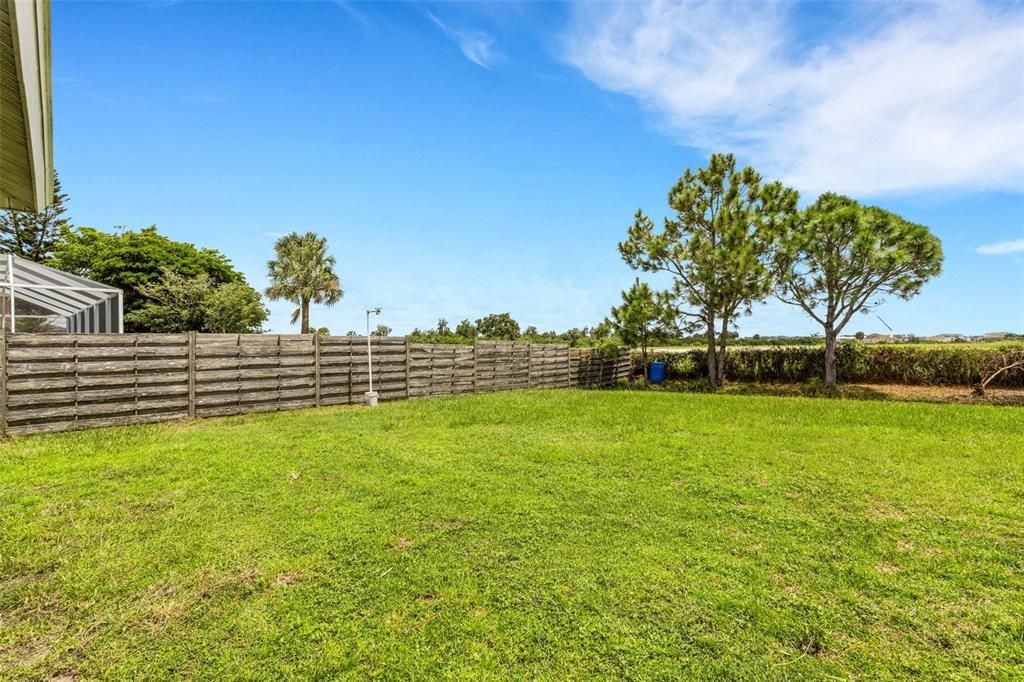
<point>712,355</point>
<point>305,316</point>
<point>830,357</point>
<point>643,354</point>
<point>721,351</point>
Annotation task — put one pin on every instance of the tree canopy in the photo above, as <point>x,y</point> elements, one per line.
<point>643,315</point>
<point>178,303</point>
<point>303,272</point>
<point>716,247</point>
<point>135,260</point>
<point>498,326</point>
<point>465,329</point>
<point>34,235</point>
<point>841,258</point>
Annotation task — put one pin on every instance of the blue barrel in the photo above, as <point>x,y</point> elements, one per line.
<point>657,372</point>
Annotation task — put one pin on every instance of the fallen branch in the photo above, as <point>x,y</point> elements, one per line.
<point>1011,359</point>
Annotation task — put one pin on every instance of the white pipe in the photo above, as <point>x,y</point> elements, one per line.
<point>369,350</point>
<point>10,280</point>
<point>58,287</point>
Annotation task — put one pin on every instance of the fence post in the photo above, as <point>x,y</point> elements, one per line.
<point>191,374</point>
<point>78,379</point>
<point>529,365</point>
<point>474,365</point>
<point>568,366</point>
<point>349,370</point>
<point>408,390</point>
<point>277,373</point>
<point>3,382</point>
<point>316,369</point>
<point>135,373</point>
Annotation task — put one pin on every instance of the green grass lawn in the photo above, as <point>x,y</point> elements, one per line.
<point>552,534</point>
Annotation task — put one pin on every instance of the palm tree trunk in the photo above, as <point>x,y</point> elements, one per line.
<point>305,316</point>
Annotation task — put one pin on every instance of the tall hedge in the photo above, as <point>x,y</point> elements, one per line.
<point>926,365</point>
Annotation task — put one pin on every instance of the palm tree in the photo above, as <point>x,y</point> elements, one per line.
<point>303,273</point>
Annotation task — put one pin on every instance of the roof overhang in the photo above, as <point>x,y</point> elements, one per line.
<point>26,114</point>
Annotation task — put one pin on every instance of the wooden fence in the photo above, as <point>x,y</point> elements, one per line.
<point>78,381</point>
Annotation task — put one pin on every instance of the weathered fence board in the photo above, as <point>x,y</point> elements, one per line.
<point>58,383</point>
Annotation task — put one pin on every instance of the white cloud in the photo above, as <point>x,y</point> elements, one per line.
<point>477,46</point>
<point>926,96</point>
<point>1000,248</point>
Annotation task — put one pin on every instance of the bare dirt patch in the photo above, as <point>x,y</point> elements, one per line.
<point>947,394</point>
<point>963,395</point>
<point>30,653</point>
<point>284,578</point>
<point>884,510</point>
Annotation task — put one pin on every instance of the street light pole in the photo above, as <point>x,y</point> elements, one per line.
<point>371,397</point>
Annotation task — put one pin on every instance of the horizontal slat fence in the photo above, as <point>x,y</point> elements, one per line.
<point>590,369</point>
<point>57,383</point>
<point>78,381</point>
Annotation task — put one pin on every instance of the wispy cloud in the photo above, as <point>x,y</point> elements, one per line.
<point>1001,248</point>
<point>350,9</point>
<point>477,46</point>
<point>928,96</point>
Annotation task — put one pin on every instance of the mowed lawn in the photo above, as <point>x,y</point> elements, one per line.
<point>551,534</point>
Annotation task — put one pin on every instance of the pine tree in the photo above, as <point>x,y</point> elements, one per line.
<point>643,316</point>
<point>34,235</point>
<point>842,258</point>
<point>716,247</point>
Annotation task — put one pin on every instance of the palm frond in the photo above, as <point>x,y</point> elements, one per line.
<point>303,270</point>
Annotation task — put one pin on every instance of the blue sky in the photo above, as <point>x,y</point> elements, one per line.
<point>473,158</point>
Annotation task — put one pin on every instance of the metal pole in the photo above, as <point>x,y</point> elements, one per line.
<point>10,280</point>
<point>369,350</point>
<point>371,399</point>
<point>120,312</point>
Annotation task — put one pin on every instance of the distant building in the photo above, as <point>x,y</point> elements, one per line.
<point>886,338</point>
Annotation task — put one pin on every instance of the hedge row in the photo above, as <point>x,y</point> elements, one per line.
<point>856,362</point>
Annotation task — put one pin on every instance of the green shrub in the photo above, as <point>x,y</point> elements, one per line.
<point>815,387</point>
<point>857,362</point>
